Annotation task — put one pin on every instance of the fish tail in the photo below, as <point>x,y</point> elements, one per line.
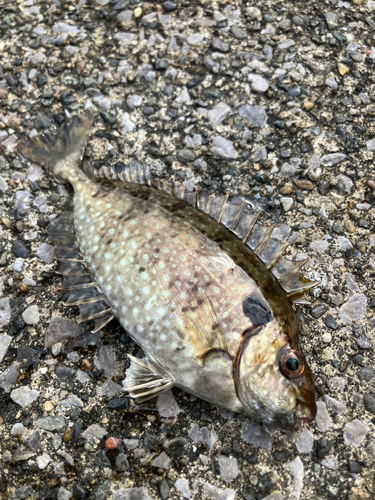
<point>62,151</point>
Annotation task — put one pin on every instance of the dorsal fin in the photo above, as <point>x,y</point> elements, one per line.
<point>237,217</point>
<point>84,292</point>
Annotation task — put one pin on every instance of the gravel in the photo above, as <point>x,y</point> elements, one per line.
<point>268,101</point>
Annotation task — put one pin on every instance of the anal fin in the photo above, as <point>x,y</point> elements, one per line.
<point>145,379</point>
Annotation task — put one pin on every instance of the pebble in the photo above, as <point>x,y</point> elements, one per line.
<point>335,405</point>
<point>353,309</point>
<point>366,373</point>
<point>167,405</point>
<point>329,462</point>
<point>5,340</point>
<point>255,115</point>
<point>304,184</point>
<point>31,315</point>
<point>18,430</point>
<point>5,316</point>
<point>33,441</point>
<point>305,442</point>
<point>43,461</point>
<point>286,202</point>
<point>60,330</point>
<point>52,423</point>
<point>354,433</point>
<point>111,443</point>
<point>46,252</point>
<point>322,419</point>
<point>217,114</point>
<point>319,245</point>
<point>110,389</point>
<point>223,148</point>
<point>217,494</point>
<point>131,494</point>
<point>19,250</point>
<point>254,434</point>
<point>344,184</point>
<point>258,83</point>
<point>350,282</point>
<point>298,472</point>
<point>63,494</point>
<point>182,485</point>
<point>24,396</point>
<point>228,468</point>
<point>162,461</point>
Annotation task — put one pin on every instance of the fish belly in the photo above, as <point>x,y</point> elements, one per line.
<point>146,262</point>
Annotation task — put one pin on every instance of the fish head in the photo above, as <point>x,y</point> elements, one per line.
<point>273,380</point>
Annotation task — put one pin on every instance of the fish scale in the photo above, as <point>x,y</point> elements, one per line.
<point>195,281</point>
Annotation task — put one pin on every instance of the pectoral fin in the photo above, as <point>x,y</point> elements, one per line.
<point>202,326</point>
<point>145,379</point>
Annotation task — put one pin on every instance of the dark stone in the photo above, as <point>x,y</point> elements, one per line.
<point>160,65</point>
<point>34,186</point>
<point>358,359</point>
<point>295,92</point>
<point>168,90</point>
<point>324,451</point>
<point>33,441</point>
<point>64,373</point>
<point>318,311</point>
<point>238,32</point>
<point>369,402</point>
<point>279,124</point>
<point>220,45</point>
<point>252,458</point>
<point>43,122</point>
<point>148,110</point>
<point>107,117</point>
<point>363,342</point>
<point>163,489</point>
<point>372,302</point>
<point>77,428</point>
<point>102,490</point>
<point>154,152</point>
<point>366,373</point>
<point>122,463</point>
<point>280,455</point>
<point>354,467</point>
<point>19,250</point>
<point>338,228</point>
<point>185,155</point>
<point>175,447</point>
<point>118,404</point>
<point>193,82</point>
<point>267,481</point>
<point>330,322</point>
<point>169,6</point>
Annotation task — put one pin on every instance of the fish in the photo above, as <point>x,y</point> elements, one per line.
<point>194,279</point>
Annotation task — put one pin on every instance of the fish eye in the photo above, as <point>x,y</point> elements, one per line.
<point>291,364</point>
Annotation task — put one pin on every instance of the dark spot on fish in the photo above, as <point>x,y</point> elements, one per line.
<point>141,269</point>
<point>200,302</point>
<point>157,250</point>
<point>120,217</point>
<point>256,311</point>
<point>194,289</point>
<point>96,194</point>
<point>109,241</point>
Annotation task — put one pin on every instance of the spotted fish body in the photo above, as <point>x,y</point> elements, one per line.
<point>209,315</point>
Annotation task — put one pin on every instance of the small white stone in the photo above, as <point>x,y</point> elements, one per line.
<point>162,461</point>
<point>183,486</point>
<point>355,432</point>
<point>18,430</point>
<point>24,396</point>
<point>305,442</point>
<point>323,420</point>
<point>5,341</point>
<point>43,461</point>
<point>228,468</point>
<point>31,315</point>
<point>167,405</point>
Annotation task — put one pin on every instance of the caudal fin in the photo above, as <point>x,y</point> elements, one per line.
<point>48,150</point>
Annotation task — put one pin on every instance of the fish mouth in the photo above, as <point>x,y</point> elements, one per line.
<point>303,414</point>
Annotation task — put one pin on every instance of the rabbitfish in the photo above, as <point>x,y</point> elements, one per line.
<point>194,280</point>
